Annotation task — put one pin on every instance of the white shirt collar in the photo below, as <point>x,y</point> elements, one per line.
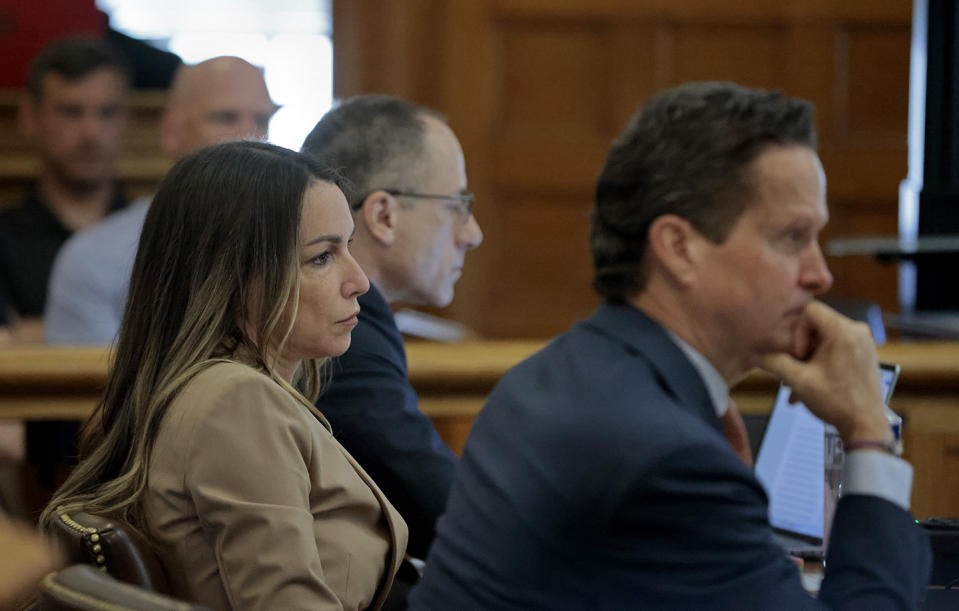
<point>715,384</point>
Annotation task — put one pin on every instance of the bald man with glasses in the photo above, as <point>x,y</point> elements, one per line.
<point>414,226</point>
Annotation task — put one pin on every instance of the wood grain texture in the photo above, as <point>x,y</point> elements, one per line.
<point>453,381</point>
<point>538,89</point>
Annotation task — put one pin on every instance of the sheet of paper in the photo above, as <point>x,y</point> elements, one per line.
<point>790,467</point>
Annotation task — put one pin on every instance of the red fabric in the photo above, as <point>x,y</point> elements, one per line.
<point>26,26</point>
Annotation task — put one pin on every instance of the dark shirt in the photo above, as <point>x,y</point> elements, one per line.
<point>373,412</point>
<point>30,236</point>
<point>3,308</point>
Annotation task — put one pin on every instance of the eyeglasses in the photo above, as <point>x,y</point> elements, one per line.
<point>461,203</point>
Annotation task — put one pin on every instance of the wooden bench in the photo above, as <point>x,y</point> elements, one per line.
<point>453,380</point>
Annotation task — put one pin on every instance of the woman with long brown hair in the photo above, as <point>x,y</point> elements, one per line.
<point>243,284</point>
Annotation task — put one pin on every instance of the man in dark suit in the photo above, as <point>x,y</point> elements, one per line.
<point>414,226</point>
<point>598,475</point>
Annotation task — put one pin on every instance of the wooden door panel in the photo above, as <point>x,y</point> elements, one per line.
<point>538,89</point>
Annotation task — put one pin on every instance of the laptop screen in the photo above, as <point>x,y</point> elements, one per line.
<point>790,466</point>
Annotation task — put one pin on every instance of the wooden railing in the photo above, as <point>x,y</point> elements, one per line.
<point>38,382</point>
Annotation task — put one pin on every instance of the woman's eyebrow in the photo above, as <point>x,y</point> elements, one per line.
<point>329,237</point>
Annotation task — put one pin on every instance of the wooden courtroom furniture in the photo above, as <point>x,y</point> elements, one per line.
<point>536,91</point>
<point>38,382</point>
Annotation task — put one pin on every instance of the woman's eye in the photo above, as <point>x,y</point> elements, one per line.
<point>322,259</point>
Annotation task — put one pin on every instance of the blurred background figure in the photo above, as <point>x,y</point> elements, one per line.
<point>218,100</point>
<point>73,113</point>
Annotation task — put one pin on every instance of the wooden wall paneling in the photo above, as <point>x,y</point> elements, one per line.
<point>638,62</point>
<point>931,444</point>
<point>741,10</point>
<point>751,54</point>
<point>537,90</point>
<point>878,97</point>
<point>864,149</point>
<point>530,304</point>
<point>552,129</point>
<point>389,47</point>
<point>555,132</point>
<point>472,56</point>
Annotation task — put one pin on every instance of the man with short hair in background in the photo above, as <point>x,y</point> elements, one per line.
<point>218,100</point>
<point>414,226</point>
<point>73,113</point>
<point>600,474</point>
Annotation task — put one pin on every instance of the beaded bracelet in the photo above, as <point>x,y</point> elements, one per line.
<point>891,447</point>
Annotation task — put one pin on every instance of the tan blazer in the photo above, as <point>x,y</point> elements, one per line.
<point>254,505</point>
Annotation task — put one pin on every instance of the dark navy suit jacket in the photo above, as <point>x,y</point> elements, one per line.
<point>373,412</point>
<point>598,477</point>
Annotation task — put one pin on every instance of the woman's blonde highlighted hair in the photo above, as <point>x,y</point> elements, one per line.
<point>218,255</point>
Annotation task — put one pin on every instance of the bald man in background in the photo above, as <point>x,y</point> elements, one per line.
<point>221,99</point>
<point>218,100</point>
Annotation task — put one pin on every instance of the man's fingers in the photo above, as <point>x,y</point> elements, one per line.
<point>819,312</point>
<point>781,365</point>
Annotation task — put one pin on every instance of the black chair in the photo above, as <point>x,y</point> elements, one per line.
<point>111,546</point>
<point>84,588</point>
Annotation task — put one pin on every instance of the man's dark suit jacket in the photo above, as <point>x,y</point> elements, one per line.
<point>373,411</point>
<point>598,477</point>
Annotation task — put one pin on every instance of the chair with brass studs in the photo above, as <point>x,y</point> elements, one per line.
<point>112,546</point>
<point>83,588</point>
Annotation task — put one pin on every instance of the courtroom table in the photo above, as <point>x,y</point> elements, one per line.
<point>453,380</point>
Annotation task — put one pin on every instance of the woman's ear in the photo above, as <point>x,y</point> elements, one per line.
<point>675,246</point>
<point>379,214</point>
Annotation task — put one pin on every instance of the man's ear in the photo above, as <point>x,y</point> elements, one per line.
<point>676,247</point>
<point>379,213</point>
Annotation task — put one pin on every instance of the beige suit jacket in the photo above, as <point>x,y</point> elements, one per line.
<point>254,505</point>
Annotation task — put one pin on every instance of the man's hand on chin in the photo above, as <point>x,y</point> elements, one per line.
<point>833,368</point>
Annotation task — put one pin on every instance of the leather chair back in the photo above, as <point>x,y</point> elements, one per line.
<point>83,588</point>
<point>112,546</point>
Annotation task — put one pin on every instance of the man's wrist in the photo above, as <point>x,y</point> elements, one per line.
<point>889,446</point>
<point>873,427</point>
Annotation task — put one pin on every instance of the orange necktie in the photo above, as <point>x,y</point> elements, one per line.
<point>735,430</point>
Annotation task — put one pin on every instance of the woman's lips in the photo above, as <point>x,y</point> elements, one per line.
<point>349,320</point>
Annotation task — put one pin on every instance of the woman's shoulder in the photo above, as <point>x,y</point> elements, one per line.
<point>232,404</point>
<point>233,387</point>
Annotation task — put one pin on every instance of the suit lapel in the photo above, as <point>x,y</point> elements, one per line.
<point>644,337</point>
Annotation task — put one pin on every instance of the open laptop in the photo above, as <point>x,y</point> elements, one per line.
<point>790,466</point>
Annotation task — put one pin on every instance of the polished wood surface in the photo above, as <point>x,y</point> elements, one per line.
<point>538,89</point>
<point>453,380</point>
